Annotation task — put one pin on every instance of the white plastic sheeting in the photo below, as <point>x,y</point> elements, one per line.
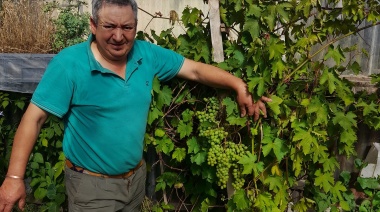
<point>22,72</point>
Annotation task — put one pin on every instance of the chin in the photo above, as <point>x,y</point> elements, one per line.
<point>117,55</point>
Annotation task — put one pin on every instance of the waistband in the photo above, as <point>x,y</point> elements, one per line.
<point>125,175</point>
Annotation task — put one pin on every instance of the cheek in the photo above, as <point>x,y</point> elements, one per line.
<point>130,36</point>
<point>102,38</point>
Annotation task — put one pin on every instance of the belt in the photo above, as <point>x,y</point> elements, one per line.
<point>85,171</point>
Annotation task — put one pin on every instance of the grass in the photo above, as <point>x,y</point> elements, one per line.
<point>25,27</point>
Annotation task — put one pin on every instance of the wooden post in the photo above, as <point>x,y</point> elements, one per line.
<point>216,35</point>
<point>218,56</point>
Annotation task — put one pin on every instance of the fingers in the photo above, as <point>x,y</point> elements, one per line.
<point>259,109</point>
<point>249,108</point>
<point>21,204</point>
<point>256,115</point>
<point>265,99</point>
<point>243,111</point>
<point>255,109</point>
<point>262,108</point>
<point>8,208</point>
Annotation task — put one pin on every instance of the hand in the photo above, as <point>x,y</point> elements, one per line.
<point>12,191</point>
<point>254,109</point>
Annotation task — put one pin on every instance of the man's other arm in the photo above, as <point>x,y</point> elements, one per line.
<point>13,190</point>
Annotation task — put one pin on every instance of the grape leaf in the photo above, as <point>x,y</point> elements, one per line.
<point>184,129</point>
<point>252,26</point>
<point>156,85</point>
<point>159,132</point>
<point>179,154</point>
<point>239,121</point>
<point>274,105</point>
<point>330,79</point>
<point>193,146</point>
<point>324,180</point>
<point>164,97</point>
<point>254,10</point>
<point>336,54</point>
<point>367,108</point>
<point>165,145</point>
<point>278,147</point>
<point>276,50</point>
<point>187,115</point>
<point>329,164</point>
<point>241,200</point>
<point>154,113</point>
<point>270,17</point>
<point>346,121</point>
<point>250,165</point>
<point>231,106</point>
<point>337,190</point>
<point>280,8</point>
<point>199,158</point>
<point>275,183</point>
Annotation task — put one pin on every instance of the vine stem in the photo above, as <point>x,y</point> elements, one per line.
<point>258,124</point>
<point>162,171</point>
<point>324,47</point>
<point>153,16</point>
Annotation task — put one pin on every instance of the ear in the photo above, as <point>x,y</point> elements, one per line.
<point>93,26</point>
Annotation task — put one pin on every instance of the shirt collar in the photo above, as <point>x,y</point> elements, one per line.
<point>94,65</point>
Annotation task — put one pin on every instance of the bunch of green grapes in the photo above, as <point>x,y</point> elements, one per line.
<point>214,153</point>
<point>213,135</point>
<point>223,155</point>
<point>210,112</point>
<point>235,152</point>
<point>225,158</point>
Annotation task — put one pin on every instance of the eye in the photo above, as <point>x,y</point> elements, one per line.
<point>127,28</point>
<point>109,27</point>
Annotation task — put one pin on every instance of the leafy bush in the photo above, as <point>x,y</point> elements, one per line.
<point>71,25</point>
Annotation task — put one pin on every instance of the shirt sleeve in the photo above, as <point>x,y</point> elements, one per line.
<point>54,92</point>
<point>168,62</point>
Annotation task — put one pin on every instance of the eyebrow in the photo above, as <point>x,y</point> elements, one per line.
<point>110,23</point>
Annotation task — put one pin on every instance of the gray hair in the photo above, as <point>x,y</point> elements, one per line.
<point>97,5</point>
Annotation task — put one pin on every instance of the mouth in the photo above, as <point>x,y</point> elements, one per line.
<point>117,46</point>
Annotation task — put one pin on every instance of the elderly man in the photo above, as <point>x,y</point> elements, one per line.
<point>102,90</point>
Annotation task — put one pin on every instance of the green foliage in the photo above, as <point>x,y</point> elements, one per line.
<point>46,166</point>
<point>71,25</point>
<point>12,106</point>
<point>44,173</point>
<point>313,117</point>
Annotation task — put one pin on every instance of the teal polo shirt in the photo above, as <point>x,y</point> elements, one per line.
<point>105,116</point>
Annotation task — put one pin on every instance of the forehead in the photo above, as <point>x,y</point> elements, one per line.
<point>116,14</point>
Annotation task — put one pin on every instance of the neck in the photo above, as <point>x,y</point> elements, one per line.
<point>116,66</point>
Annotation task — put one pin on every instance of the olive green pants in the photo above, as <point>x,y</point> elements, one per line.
<point>88,193</point>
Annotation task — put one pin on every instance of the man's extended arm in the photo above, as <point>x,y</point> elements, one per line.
<point>216,77</point>
<point>13,189</point>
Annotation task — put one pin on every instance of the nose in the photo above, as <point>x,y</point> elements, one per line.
<point>118,34</point>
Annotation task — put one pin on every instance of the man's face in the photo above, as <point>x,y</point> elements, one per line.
<point>115,31</point>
